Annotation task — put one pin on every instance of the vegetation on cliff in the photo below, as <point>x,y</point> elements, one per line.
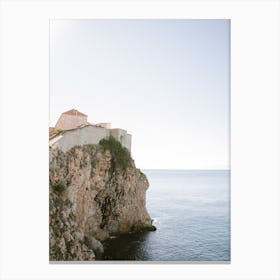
<point>56,132</point>
<point>120,155</point>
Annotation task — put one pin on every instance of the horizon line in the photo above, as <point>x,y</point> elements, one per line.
<point>228,169</point>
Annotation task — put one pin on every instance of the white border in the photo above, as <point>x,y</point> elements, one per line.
<point>254,138</point>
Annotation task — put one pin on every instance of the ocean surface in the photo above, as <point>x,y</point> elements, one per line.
<point>191,210</point>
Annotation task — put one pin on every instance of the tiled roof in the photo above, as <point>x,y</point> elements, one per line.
<point>74,112</point>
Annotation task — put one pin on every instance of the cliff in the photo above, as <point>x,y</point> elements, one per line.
<point>95,192</point>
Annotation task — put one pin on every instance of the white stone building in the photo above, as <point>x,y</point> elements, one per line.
<point>78,131</point>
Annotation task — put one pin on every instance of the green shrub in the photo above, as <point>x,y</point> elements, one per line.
<point>56,132</point>
<point>120,155</point>
<point>59,187</point>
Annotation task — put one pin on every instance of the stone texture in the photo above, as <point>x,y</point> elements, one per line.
<point>97,200</point>
<point>66,242</point>
<point>95,245</point>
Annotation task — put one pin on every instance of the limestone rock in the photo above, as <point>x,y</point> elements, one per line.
<point>95,245</point>
<point>93,195</point>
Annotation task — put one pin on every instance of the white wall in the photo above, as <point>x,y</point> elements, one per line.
<point>79,136</point>
<point>89,135</point>
<point>127,141</point>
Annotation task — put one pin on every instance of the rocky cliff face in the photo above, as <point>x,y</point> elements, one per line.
<point>95,192</point>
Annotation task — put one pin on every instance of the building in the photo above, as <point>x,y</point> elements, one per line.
<point>78,131</point>
<point>71,119</point>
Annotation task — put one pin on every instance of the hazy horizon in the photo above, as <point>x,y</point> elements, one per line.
<point>189,169</point>
<point>164,81</point>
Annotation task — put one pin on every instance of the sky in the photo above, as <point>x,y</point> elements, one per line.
<point>167,82</point>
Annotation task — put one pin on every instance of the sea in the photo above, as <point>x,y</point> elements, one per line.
<point>191,211</point>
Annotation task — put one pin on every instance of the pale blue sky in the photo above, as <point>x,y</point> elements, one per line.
<point>165,81</point>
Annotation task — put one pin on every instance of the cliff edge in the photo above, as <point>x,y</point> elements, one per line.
<point>95,192</point>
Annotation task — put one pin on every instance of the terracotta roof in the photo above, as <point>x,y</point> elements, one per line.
<point>74,112</point>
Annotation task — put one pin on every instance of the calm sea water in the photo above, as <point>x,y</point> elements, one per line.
<point>191,210</point>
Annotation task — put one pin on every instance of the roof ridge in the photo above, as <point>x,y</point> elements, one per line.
<point>74,112</point>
